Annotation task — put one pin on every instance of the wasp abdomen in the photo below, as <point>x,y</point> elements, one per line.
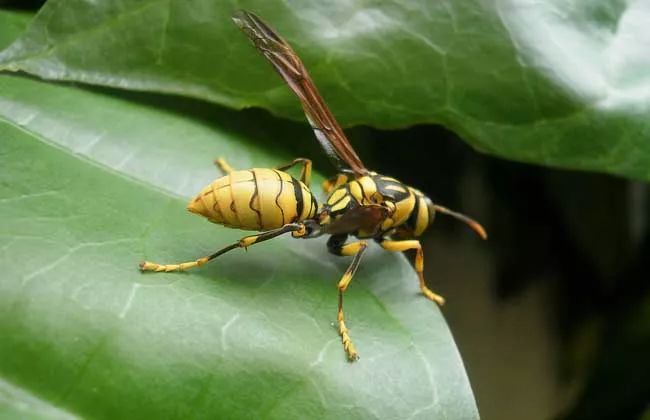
<point>255,199</point>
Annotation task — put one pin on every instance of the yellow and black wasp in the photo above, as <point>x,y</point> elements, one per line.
<point>360,203</point>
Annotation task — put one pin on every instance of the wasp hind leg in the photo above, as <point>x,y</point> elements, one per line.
<point>305,172</point>
<point>297,229</point>
<point>223,166</point>
<point>356,249</point>
<point>399,246</point>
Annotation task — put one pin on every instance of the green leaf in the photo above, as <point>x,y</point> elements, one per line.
<point>553,83</point>
<point>15,23</point>
<point>93,183</point>
<point>248,335</point>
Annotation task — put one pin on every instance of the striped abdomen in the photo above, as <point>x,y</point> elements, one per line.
<point>255,199</point>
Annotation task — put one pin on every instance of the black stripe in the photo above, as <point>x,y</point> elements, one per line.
<point>311,205</point>
<point>250,203</point>
<point>279,194</point>
<point>297,190</point>
<point>382,188</point>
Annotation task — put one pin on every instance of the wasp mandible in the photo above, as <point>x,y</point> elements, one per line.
<point>360,203</point>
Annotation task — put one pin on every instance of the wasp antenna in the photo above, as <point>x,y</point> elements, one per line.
<point>476,226</point>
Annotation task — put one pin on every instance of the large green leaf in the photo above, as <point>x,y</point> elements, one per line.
<point>91,184</point>
<point>558,83</point>
<point>15,22</point>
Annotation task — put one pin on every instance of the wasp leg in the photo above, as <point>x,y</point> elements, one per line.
<point>356,249</point>
<point>297,229</point>
<point>305,172</point>
<point>223,166</point>
<point>330,184</point>
<point>399,246</point>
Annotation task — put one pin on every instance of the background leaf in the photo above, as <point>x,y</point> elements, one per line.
<point>91,184</point>
<point>553,83</point>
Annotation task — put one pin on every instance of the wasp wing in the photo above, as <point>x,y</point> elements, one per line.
<point>287,63</point>
<point>367,218</point>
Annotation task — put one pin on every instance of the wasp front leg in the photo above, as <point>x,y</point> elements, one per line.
<point>356,249</point>
<point>297,229</point>
<point>400,246</point>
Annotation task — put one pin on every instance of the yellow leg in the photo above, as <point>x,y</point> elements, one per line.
<point>297,229</point>
<point>305,172</point>
<point>330,184</point>
<point>355,249</point>
<point>223,166</point>
<point>399,246</point>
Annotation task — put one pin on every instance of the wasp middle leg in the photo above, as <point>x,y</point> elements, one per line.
<point>336,245</point>
<point>399,246</point>
<point>297,230</point>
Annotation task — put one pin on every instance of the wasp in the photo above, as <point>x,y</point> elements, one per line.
<point>360,203</point>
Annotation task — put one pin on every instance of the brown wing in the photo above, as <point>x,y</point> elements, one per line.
<point>290,67</point>
<point>367,218</point>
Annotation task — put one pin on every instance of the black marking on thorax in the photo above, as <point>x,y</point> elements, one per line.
<point>397,191</point>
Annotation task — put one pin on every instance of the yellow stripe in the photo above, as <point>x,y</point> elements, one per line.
<point>336,196</point>
<point>243,189</point>
<point>223,196</point>
<point>422,221</point>
<point>306,200</point>
<point>287,201</point>
<point>389,179</point>
<point>403,209</point>
<point>369,187</point>
<point>211,207</point>
<point>355,190</point>
<point>287,198</point>
<point>341,204</point>
<point>268,187</point>
<point>396,188</point>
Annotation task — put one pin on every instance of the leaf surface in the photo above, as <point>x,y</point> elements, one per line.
<point>92,183</point>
